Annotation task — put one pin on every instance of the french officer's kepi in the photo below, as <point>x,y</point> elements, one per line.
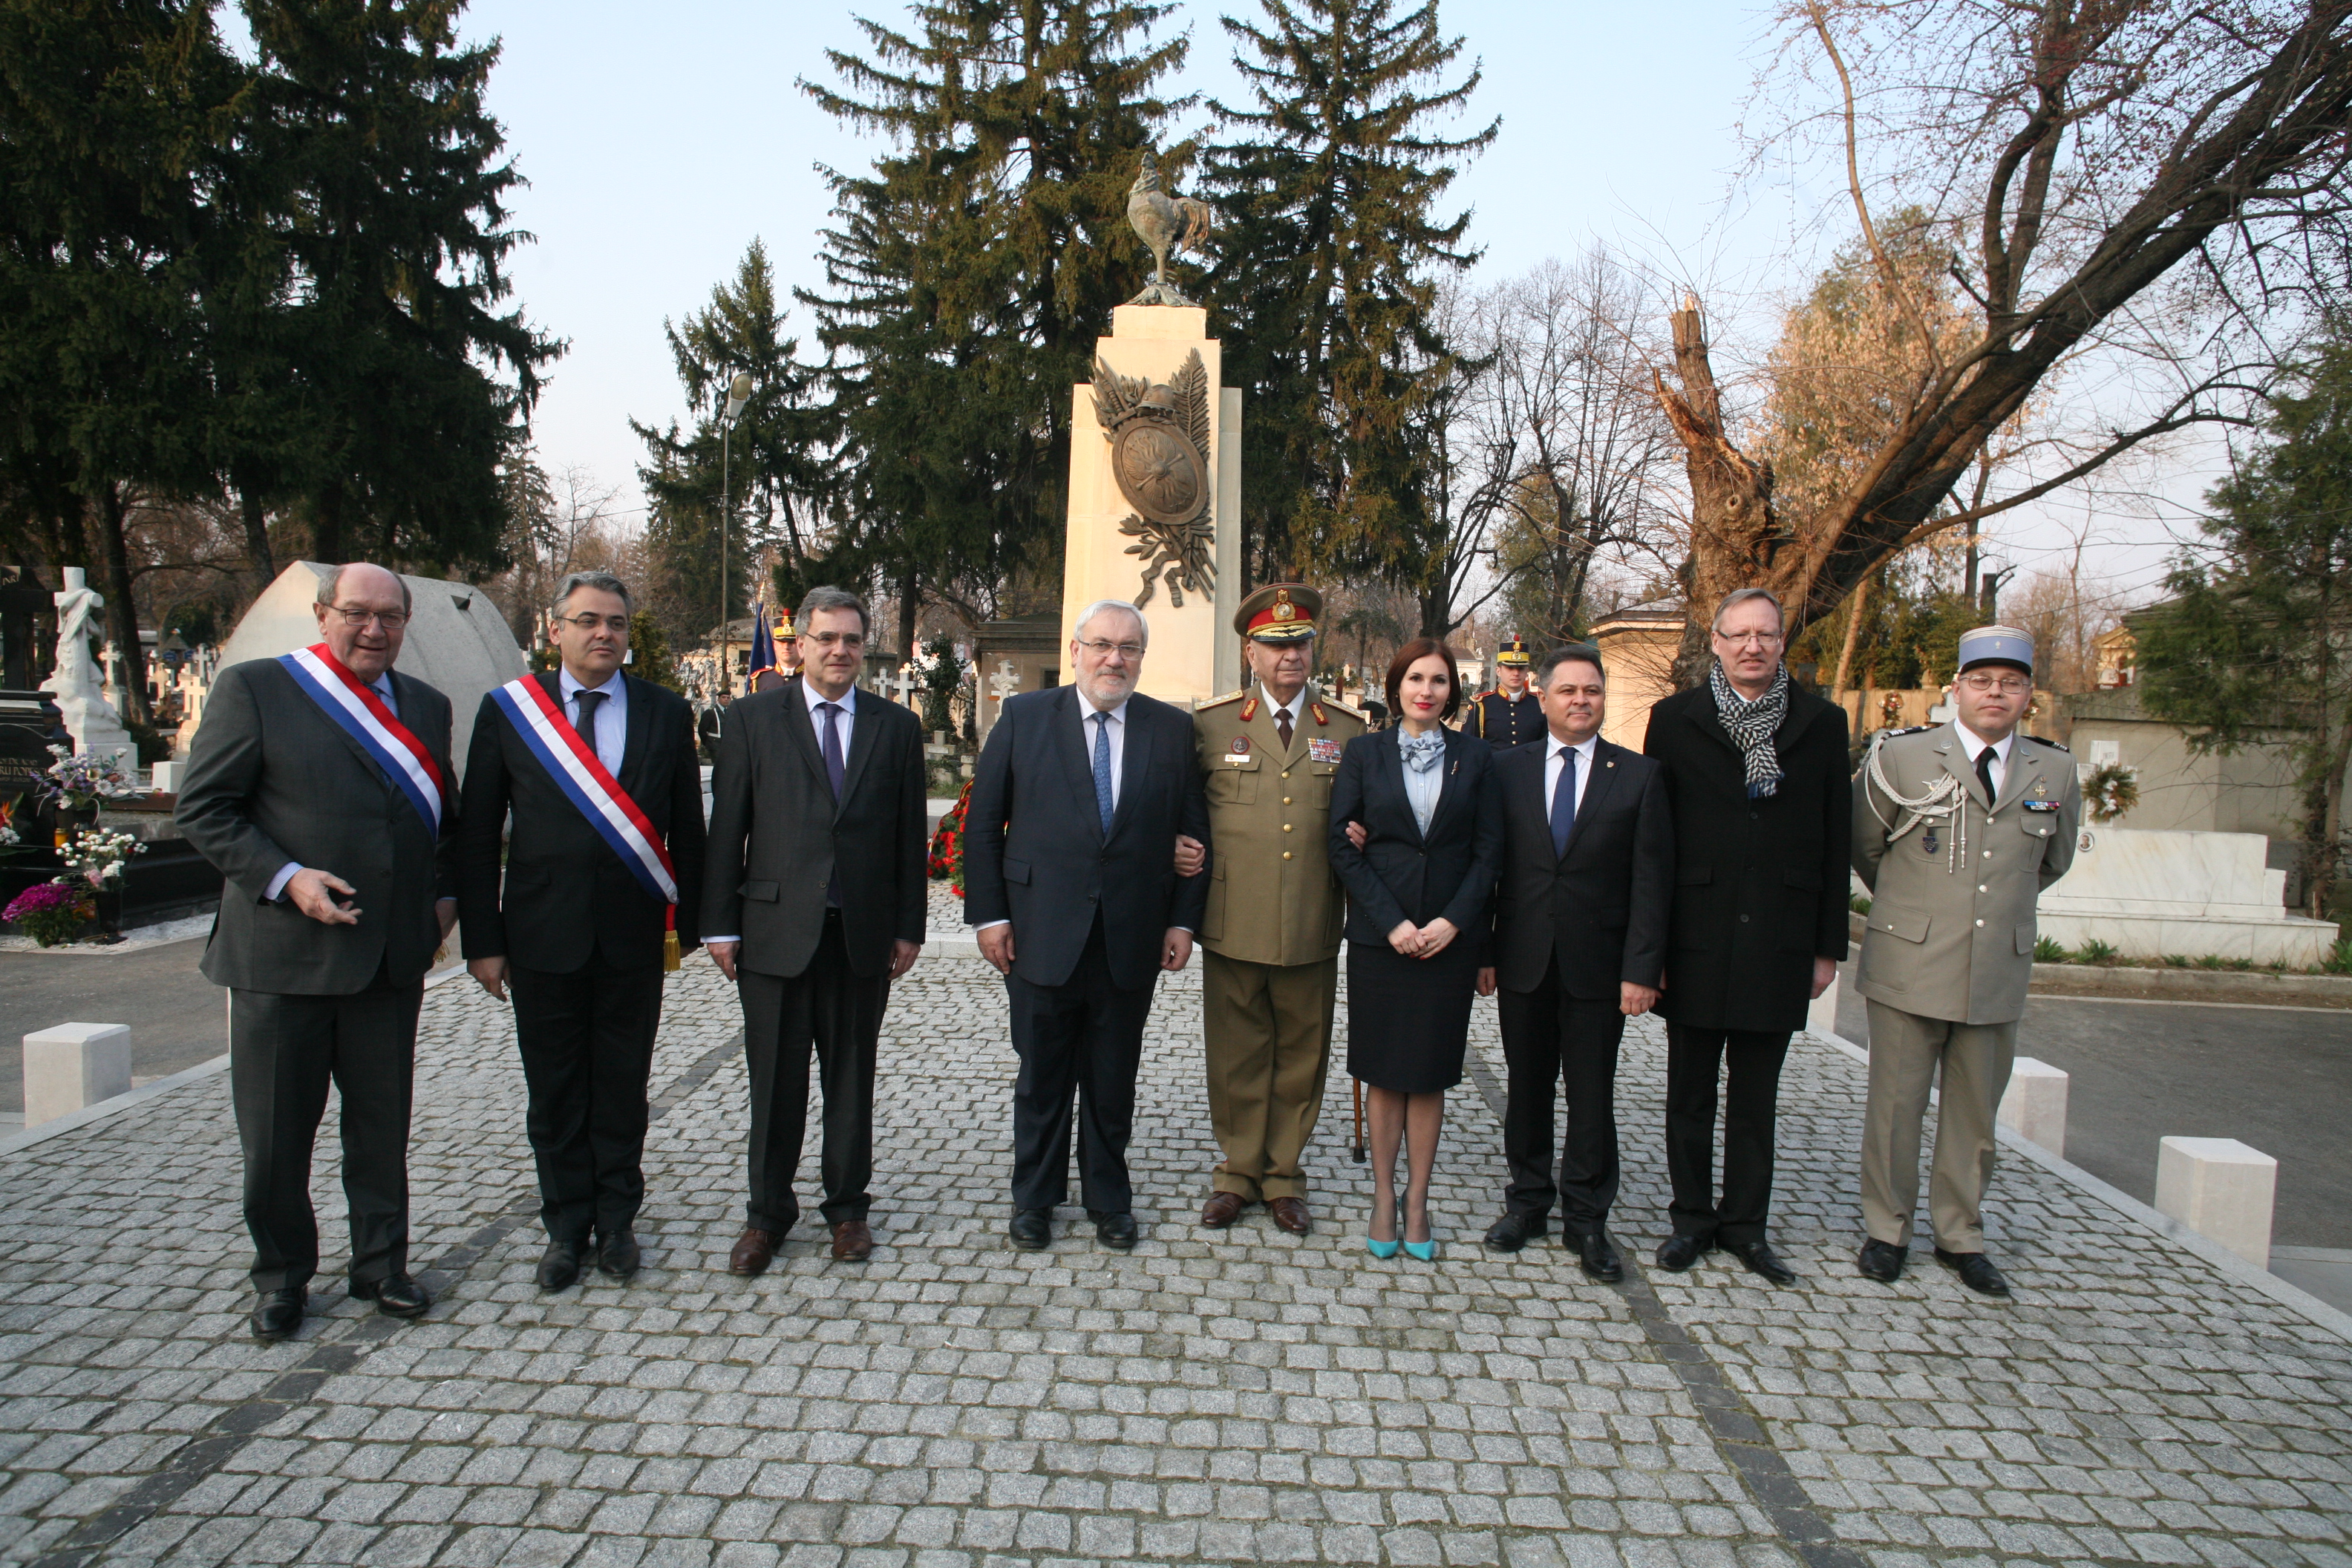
<point>1279,613</point>
<point>1996,645</point>
<point>1513,652</point>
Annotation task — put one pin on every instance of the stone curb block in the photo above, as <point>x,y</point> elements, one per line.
<point>2146,983</point>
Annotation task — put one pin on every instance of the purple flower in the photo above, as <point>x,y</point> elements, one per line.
<point>40,898</point>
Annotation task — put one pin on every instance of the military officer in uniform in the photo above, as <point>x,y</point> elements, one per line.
<point>1271,937</point>
<point>1957,829</point>
<point>1509,715</point>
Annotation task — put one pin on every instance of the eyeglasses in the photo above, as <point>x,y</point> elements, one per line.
<point>390,620</point>
<point>2006,685</point>
<point>1100,649</point>
<point>836,639</point>
<point>1742,639</point>
<point>586,622</point>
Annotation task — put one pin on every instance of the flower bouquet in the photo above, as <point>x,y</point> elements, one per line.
<point>79,780</point>
<point>97,853</point>
<point>51,912</point>
<point>947,844</point>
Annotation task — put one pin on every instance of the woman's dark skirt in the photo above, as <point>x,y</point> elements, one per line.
<point>1409,1018</point>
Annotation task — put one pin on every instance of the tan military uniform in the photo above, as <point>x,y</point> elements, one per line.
<point>1954,880</point>
<point>1271,936</point>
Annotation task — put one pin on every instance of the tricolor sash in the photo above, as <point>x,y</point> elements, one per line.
<point>572,763</point>
<point>351,703</point>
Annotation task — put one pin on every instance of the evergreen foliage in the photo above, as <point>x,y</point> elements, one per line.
<point>2254,648</point>
<point>1327,264</point>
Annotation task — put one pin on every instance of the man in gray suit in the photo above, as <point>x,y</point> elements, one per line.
<point>816,874</point>
<point>319,784</point>
<point>1957,829</point>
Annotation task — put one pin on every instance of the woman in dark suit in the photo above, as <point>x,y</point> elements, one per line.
<point>1418,887</point>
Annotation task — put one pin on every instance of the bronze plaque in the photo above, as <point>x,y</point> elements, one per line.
<point>1160,471</point>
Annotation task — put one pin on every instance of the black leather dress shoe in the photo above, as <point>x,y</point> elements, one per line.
<point>1031,1230</point>
<point>1881,1260</point>
<point>618,1256</point>
<point>1514,1231</point>
<point>1976,1271</point>
<point>1679,1252</point>
<point>1114,1229</point>
<point>559,1266</point>
<point>394,1295</point>
<point>1597,1256</point>
<point>1757,1258</point>
<point>278,1314</point>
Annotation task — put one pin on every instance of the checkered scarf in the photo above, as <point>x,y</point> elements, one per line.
<point>1751,724</point>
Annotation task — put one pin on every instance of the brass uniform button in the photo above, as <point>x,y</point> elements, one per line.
<point>1286,772</point>
<point>1285,854</point>
<point>1285,800</point>
<point>1285,828</point>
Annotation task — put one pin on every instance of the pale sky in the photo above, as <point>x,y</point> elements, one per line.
<point>659,142</point>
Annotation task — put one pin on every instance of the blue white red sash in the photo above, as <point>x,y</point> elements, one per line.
<point>349,702</point>
<point>572,763</point>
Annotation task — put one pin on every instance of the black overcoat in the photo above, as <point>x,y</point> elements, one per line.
<point>1760,885</point>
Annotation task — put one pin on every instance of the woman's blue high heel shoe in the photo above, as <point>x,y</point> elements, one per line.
<point>1386,1250</point>
<point>1419,1251</point>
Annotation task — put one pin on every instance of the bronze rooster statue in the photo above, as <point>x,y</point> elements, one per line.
<point>1166,223</point>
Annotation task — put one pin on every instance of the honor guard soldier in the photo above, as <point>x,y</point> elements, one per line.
<point>1957,829</point>
<point>1271,931</point>
<point>1509,715</point>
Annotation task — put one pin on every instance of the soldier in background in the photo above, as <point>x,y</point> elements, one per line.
<point>1957,829</point>
<point>1271,970</point>
<point>1509,715</point>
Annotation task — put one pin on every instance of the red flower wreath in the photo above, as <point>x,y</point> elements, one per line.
<point>947,844</point>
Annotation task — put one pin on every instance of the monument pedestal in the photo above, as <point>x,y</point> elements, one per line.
<point>1194,654</point>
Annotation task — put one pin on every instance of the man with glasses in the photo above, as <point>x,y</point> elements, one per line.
<point>1069,875</point>
<point>816,878</point>
<point>601,865</point>
<point>1957,829</point>
<point>1757,774</point>
<point>319,784</point>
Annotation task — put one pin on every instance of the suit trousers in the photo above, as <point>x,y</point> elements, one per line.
<point>1906,1053</point>
<point>1267,1029</point>
<point>283,1052</point>
<point>1552,1039</point>
<point>1751,1099</point>
<point>839,1013</point>
<point>1083,1036</point>
<point>587,1044</point>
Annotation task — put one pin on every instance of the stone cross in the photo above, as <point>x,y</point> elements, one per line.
<point>1005,681</point>
<point>906,683</point>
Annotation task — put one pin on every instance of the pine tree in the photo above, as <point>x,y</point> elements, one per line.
<point>1326,271</point>
<point>772,458</point>
<point>380,169</point>
<point>970,271</point>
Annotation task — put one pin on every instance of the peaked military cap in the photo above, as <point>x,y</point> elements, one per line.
<point>1997,644</point>
<point>1279,613</point>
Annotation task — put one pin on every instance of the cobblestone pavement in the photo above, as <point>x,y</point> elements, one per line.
<point>1250,1397</point>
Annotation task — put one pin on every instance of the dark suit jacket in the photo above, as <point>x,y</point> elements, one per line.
<point>1033,849</point>
<point>571,898</point>
<point>1760,885</point>
<point>777,835</point>
<point>1399,875</point>
<point>1601,908</point>
<point>272,779</point>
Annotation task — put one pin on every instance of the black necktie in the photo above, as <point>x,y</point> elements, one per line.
<point>1984,772</point>
<point>586,721</point>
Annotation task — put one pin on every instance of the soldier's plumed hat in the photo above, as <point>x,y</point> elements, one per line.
<point>1279,612</point>
<point>1513,652</point>
<point>1996,645</point>
<point>784,624</point>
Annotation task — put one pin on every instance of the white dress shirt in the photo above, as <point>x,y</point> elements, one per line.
<point>1553,752</point>
<point>844,722</point>
<point>612,734</point>
<point>1973,745</point>
<point>1294,707</point>
<point>381,686</point>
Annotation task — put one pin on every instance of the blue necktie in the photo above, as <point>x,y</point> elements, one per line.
<point>1563,804</point>
<point>1102,769</point>
<point>833,772</point>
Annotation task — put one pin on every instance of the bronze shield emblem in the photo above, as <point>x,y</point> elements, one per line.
<point>1160,471</point>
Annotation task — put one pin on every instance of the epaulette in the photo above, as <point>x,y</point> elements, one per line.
<point>1220,701</point>
<point>2051,744</point>
<point>1910,729</point>
<point>1351,711</point>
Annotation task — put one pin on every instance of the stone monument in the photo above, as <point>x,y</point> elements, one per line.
<point>96,726</point>
<point>1156,473</point>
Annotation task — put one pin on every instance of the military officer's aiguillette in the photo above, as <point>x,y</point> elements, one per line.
<point>1957,829</point>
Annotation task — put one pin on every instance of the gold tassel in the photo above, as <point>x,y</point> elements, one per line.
<point>671,958</point>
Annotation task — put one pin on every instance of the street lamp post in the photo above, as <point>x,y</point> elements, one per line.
<point>738,393</point>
